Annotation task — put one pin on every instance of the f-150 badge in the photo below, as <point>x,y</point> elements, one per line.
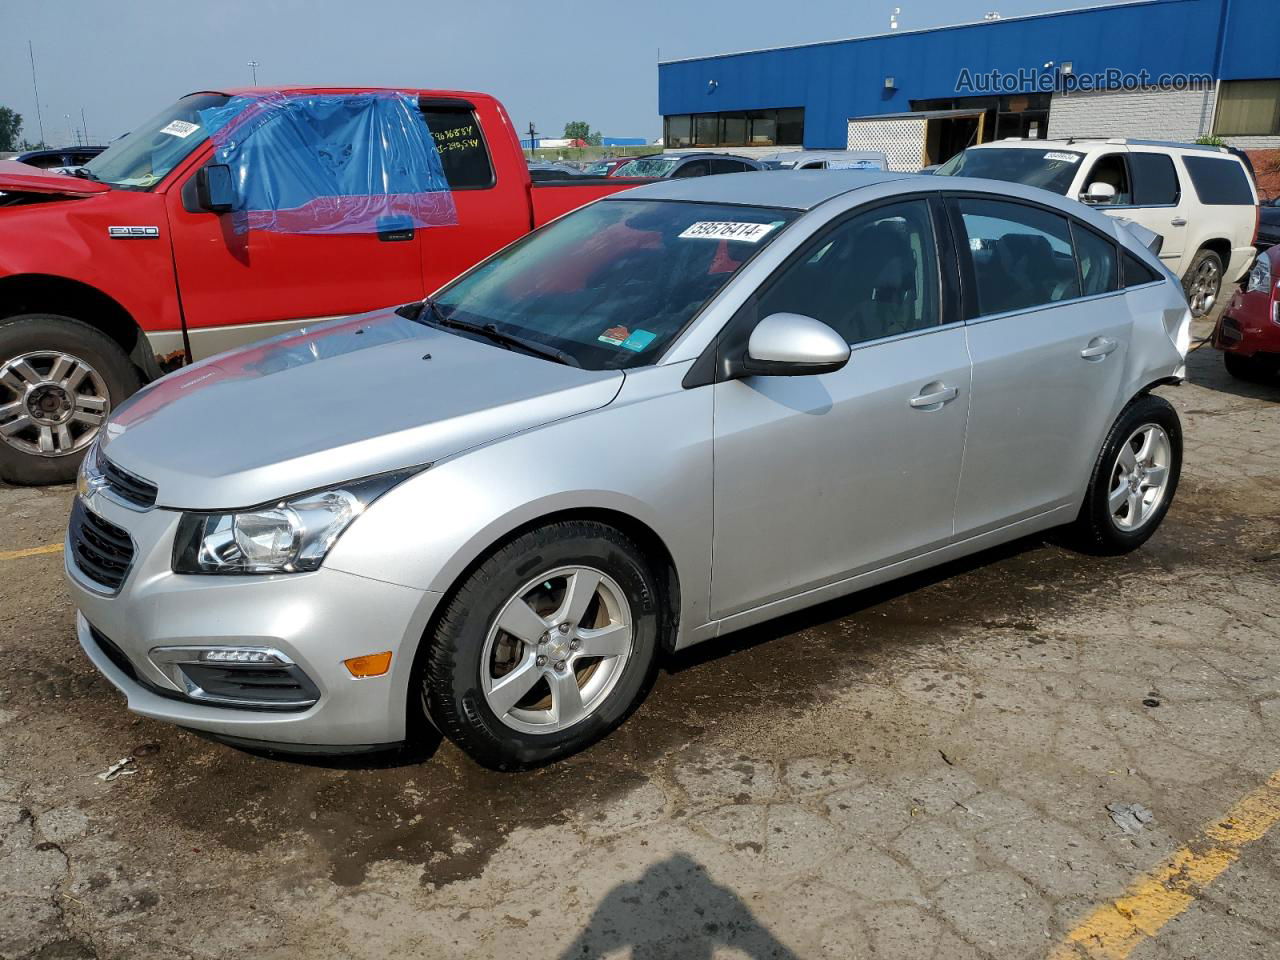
<point>133,231</point>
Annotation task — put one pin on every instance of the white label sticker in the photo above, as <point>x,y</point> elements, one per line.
<point>1064,157</point>
<point>727,230</point>
<point>180,128</point>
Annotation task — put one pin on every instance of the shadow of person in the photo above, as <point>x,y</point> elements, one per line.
<point>674,911</point>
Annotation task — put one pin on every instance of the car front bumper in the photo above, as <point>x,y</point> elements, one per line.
<point>316,620</point>
<point>1247,326</point>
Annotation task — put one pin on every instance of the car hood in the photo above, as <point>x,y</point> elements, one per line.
<point>336,402</point>
<point>18,177</point>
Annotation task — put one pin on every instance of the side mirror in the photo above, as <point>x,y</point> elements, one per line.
<point>215,188</point>
<point>1099,193</point>
<point>792,345</point>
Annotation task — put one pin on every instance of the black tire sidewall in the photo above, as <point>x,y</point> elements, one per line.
<point>48,331</point>
<point>451,681</point>
<point>1144,410</point>
<point>1260,368</point>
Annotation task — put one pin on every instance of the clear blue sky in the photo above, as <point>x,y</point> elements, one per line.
<point>550,61</point>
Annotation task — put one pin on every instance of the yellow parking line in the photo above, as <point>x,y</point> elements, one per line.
<point>1115,930</point>
<point>30,552</point>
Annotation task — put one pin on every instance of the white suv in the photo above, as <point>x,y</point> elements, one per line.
<point>1200,199</point>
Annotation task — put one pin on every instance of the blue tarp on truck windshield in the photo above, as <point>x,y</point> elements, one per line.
<point>330,163</point>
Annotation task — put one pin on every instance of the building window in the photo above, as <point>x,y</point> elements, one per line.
<point>751,128</point>
<point>1248,108</point>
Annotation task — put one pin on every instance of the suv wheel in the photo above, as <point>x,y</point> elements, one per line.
<point>1203,282</point>
<point>1134,478</point>
<point>545,648</point>
<point>59,379</point>
<point>1260,368</point>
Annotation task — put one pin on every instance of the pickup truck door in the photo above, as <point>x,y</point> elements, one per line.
<point>236,288</point>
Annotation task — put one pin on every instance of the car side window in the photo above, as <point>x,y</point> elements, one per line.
<point>1155,181</point>
<point>1111,170</point>
<point>1219,181</point>
<point>728,166</point>
<point>1097,258</point>
<point>462,149</point>
<point>1136,273</point>
<point>1021,255</point>
<point>694,168</point>
<point>874,275</point>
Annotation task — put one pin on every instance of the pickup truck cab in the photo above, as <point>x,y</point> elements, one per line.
<point>1200,198</point>
<point>113,276</point>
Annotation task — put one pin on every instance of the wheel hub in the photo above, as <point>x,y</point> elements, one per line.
<point>49,404</point>
<point>556,646</point>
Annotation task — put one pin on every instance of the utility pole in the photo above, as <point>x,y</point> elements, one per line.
<point>84,126</point>
<point>70,136</point>
<point>39,118</point>
<point>254,65</point>
<point>533,139</point>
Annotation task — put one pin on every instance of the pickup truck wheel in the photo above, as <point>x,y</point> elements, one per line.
<point>59,379</point>
<point>545,648</point>
<point>1203,282</point>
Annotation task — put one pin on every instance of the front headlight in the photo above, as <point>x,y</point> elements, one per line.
<point>290,536</point>
<point>1260,276</point>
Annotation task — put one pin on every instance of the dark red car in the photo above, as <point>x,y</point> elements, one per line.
<point>1248,332</point>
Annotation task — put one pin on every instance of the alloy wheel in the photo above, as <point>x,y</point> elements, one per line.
<point>1139,477</point>
<point>1205,285</point>
<point>556,650</point>
<point>51,403</point>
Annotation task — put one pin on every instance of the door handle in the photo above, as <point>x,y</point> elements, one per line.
<point>939,393</point>
<point>395,234</point>
<point>1179,221</point>
<point>1098,348</point>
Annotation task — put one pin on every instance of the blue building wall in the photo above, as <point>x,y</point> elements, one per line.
<point>1231,39</point>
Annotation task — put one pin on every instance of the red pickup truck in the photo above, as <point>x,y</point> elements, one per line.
<point>112,277</point>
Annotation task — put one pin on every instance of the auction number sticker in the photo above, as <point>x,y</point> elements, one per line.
<point>1064,157</point>
<point>179,128</point>
<point>727,230</point>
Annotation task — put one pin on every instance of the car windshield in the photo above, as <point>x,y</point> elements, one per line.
<point>647,167</point>
<point>613,284</point>
<point>1051,170</point>
<point>144,157</point>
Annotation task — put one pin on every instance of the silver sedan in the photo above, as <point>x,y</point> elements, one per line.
<point>669,415</point>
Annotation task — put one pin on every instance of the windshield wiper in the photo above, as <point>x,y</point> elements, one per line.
<point>491,332</point>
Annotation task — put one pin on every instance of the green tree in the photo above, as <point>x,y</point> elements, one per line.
<point>581,130</point>
<point>10,128</point>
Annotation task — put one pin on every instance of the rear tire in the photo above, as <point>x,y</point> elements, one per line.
<point>1202,283</point>
<point>510,675</point>
<point>59,380</point>
<point>1260,368</point>
<point>1134,479</point>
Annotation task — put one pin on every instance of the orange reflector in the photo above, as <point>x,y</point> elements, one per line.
<point>370,665</point>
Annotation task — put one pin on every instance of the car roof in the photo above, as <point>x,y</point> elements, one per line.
<point>1090,143</point>
<point>802,190</point>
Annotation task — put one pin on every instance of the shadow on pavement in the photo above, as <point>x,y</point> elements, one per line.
<point>674,910</point>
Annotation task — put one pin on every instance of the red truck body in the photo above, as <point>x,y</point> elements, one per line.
<point>166,281</point>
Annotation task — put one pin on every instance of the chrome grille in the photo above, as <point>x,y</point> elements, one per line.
<point>101,550</point>
<point>127,486</point>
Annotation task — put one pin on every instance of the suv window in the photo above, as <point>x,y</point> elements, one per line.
<point>1097,258</point>
<point>874,275</point>
<point>462,150</point>
<point>1155,181</point>
<point>1111,170</point>
<point>1021,255</point>
<point>1219,181</point>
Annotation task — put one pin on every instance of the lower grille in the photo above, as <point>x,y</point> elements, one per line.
<point>114,653</point>
<point>101,550</point>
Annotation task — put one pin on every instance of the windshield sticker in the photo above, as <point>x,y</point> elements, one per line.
<point>616,336</point>
<point>180,128</point>
<point>638,340</point>
<point>1064,157</point>
<point>727,230</point>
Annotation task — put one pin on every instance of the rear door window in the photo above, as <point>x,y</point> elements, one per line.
<point>1136,273</point>
<point>461,145</point>
<point>1097,258</point>
<point>1021,255</point>
<point>1219,181</point>
<point>1155,181</point>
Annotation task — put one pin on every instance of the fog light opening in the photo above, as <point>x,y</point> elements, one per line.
<point>369,665</point>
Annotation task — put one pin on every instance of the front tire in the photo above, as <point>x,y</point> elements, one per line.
<point>1202,283</point>
<point>1133,480</point>
<point>547,646</point>
<point>1260,368</point>
<point>59,380</point>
